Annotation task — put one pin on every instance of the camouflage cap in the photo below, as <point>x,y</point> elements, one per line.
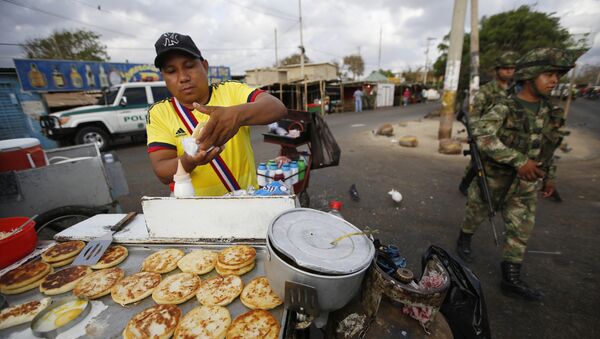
<point>541,60</point>
<point>506,59</point>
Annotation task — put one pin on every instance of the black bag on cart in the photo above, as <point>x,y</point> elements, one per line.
<point>464,306</point>
<point>324,149</point>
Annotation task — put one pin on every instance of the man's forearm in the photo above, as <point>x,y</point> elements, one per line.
<point>265,110</point>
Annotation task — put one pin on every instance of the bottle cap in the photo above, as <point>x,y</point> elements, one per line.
<point>336,204</point>
<point>262,166</point>
<point>286,166</point>
<point>172,186</point>
<point>279,171</point>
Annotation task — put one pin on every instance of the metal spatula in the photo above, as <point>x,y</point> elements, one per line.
<point>301,298</point>
<point>94,249</point>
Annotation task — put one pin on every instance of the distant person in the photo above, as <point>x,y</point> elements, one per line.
<point>487,96</point>
<point>358,97</point>
<point>225,160</point>
<point>405,97</point>
<point>517,138</point>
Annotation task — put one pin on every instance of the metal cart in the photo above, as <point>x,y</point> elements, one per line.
<point>300,120</point>
<point>78,183</point>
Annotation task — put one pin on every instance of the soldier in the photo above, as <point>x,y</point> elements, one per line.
<point>487,96</point>
<point>517,138</point>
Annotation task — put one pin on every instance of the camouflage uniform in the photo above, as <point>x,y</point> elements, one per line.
<point>508,135</point>
<point>487,96</point>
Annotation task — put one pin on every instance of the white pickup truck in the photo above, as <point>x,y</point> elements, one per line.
<point>122,111</point>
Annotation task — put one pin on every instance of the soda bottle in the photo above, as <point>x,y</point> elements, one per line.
<point>336,208</point>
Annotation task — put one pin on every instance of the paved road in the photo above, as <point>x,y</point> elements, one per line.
<point>432,211</point>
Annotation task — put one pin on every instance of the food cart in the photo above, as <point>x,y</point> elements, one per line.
<point>207,223</point>
<point>55,192</point>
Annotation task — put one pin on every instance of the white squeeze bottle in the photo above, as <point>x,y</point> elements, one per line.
<point>183,183</point>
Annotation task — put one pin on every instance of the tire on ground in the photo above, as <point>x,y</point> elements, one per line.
<point>88,134</point>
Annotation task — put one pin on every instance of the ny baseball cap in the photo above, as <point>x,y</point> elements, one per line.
<point>169,42</point>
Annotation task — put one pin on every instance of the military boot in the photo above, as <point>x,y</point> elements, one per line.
<point>512,285</point>
<point>463,246</point>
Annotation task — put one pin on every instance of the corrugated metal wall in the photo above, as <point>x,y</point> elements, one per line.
<point>14,122</point>
<point>12,119</point>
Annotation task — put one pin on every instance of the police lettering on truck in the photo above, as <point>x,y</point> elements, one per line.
<point>121,112</point>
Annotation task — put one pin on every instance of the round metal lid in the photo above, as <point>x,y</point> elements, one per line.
<point>305,236</point>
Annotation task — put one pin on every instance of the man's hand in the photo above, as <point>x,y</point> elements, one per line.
<point>223,124</point>
<point>530,171</point>
<point>548,189</point>
<point>202,157</point>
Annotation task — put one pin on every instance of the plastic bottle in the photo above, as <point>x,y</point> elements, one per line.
<point>278,175</point>
<point>336,208</point>
<point>183,183</point>
<point>261,174</point>
<point>103,77</point>
<point>301,169</point>
<point>287,172</point>
<point>272,171</point>
<point>294,171</point>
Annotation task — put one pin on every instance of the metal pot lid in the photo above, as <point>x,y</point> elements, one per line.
<point>305,236</point>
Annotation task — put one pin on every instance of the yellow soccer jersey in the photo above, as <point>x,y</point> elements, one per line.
<point>165,130</point>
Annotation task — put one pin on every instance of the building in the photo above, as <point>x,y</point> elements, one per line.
<point>260,77</point>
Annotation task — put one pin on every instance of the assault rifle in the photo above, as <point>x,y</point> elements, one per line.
<point>477,166</point>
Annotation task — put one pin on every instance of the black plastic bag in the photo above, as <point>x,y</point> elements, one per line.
<point>464,305</point>
<point>324,149</point>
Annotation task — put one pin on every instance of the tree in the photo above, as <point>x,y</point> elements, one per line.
<point>588,75</point>
<point>355,64</point>
<point>387,72</point>
<point>67,45</point>
<point>519,30</point>
<point>294,59</point>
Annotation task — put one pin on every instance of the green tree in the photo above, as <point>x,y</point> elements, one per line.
<point>518,30</point>
<point>387,72</point>
<point>67,45</point>
<point>355,64</point>
<point>294,59</point>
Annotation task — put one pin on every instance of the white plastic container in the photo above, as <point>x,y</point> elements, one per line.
<point>261,172</point>
<point>183,183</point>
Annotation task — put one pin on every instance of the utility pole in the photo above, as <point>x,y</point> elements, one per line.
<point>379,58</point>
<point>276,56</point>
<point>302,74</point>
<point>452,69</point>
<point>427,61</point>
<point>474,83</point>
<point>570,89</point>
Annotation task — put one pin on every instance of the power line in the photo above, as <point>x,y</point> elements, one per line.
<point>264,11</point>
<point>151,49</point>
<point>99,8</point>
<point>70,19</point>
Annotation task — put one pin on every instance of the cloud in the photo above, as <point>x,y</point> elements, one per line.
<point>240,33</point>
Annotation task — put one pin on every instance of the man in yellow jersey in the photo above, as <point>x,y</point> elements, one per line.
<point>225,160</point>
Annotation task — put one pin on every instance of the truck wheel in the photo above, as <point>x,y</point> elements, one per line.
<point>93,134</point>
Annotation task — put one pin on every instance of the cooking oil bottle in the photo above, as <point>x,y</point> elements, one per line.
<point>103,77</point>
<point>89,76</point>
<point>37,79</point>
<point>76,77</point>
<point>58,78</point>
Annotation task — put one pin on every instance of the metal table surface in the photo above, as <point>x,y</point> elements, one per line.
<point>110,321</point>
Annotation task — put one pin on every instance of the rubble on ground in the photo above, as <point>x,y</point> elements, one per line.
<point>408,141</point>
<point>450,146</point>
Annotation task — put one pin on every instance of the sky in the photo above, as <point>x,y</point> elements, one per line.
<point>241,33</point>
